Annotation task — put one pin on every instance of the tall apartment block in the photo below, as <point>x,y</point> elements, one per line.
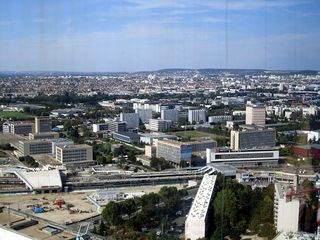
<point>197,116</point>
<point>43,124</point>
<point>144,114</point>
<point>132,119</point>
<point>170,114</point>
<point>255,114</point>
<point>252,139</point>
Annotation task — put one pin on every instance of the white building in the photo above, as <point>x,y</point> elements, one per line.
<point>219,119</point>
<point>132,119</point>
<point>197,116</point>
<point>100,127</point>
<point>144,114</point>
<point>314,135</point>
<point>159,125</point>
<point>170,114</point>
<point>196,222</point>
<point>243,157</point>
<point>255,115</point>
<point>286,211</point>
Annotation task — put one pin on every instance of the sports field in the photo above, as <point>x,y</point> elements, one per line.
<point>15,115</point>
<point>191,134</point>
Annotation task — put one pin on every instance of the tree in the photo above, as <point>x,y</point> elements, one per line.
<point>102,228</point>
<point>112,214</point>
<point>129,206</point>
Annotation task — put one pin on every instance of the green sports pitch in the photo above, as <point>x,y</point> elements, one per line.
<point>15,115</point>
<point>191,134</point>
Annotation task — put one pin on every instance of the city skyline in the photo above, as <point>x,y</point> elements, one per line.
<point>137,35</point>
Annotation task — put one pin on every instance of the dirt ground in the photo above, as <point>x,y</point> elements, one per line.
<point>80,207</point>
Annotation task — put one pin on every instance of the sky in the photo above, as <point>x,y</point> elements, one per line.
<point>138,35</point>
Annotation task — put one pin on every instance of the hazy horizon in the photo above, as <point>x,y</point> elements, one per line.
<point>139,35</point>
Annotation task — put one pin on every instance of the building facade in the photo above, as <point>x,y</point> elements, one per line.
<point>252,139</point>
<point>100,127</point>
<point>80,154</point>
<point>43,135</point>
<point>32,147</point>
<point>197,116</point>
<point>43,124</point>
<point>144,114</point>
<point>255,114</point>
<point>174,151</point>
<point>170,114</point>
<point>132,119</point>
<point>115,126</point>
<point>286,211</point>
<point>159,125</point>
<point>244,157</point>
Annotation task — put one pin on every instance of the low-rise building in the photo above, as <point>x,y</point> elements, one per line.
<point>75,155</point>
<point>21,128</point>
<point>116,126</point>
<point>59,142</point>
<point>174,151</point>
<point>250,157</point>
<point>100,127</point>
<point>127,137</point>
<point>32,147</point>
<point>308,151</point>
<point>159,125</point>
<point>219,119</point>
<point>43,135</point>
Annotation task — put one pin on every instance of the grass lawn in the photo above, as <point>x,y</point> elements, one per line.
<point>191,134</point>
<point>15,115</point>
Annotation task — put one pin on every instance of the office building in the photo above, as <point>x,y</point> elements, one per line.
<point>243,158</point>
<point>170,114</point>
<point>131,119</point>
<point>100,127</point>
<point>196,225</point>
<point>43,124</point>
<point>252,139</point>
<point>32,147</point>
<point>127,137</point>
<point>75,155</point>
<point>255,114</point>
<point>144,114</point>
<point>286,210</point>
<point>21,128</point>
<point>159,125</point>
<point>116,126</point>
<point>43,135</point>
<point>59,142</point>
<point>174,151</point>
<point>6,127</point>
<point>150,138</point>
<point>197,116</point>
<point>150,151</point>
<point>219,119</point>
